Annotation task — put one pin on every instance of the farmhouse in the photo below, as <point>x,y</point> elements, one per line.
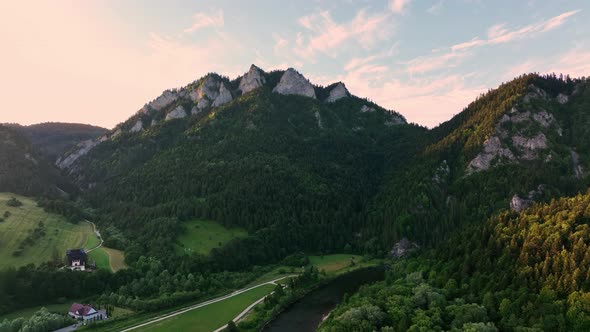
<point>86,312</point>
<point>77,259</point>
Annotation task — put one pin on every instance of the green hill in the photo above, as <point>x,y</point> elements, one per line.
<point>528,137</point>
<point>517,272</point>
<point>29,235</point>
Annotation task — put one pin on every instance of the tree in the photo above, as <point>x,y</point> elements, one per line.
<point>231,327</point>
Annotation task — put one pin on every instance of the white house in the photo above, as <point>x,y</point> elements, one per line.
<point>86,312</point>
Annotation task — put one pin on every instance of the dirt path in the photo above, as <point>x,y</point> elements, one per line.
<point>97,235</point>
<point>206,303</point>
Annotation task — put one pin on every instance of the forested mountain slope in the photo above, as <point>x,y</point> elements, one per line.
<point>526,141</point>
<point>24,170</point>
<point>525,271</point>
<point>53,139</point>
<point>292,163</point>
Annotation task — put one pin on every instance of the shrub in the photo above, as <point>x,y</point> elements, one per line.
<point>14,202</point>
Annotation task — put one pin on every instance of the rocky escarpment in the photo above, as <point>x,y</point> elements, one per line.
<point>337,92</point>
<point>81,149</point>
<point>522,134</point>
<point>252,80</point>
<point>293,83</point>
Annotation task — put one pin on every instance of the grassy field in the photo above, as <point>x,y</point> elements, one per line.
<point>334,263</point>
<point>56,234</point>
<point>213,316</point>
<point>101,258</point>
<point>116,259</point>
<point>202,235</point>
<point>108,258</point>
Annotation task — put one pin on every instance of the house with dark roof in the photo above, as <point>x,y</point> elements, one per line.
<point>86,312</point>
<point>77,259</point>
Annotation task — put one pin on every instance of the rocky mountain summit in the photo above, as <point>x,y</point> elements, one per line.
<point>213,91</point>
<point>253,79</point>
<point>293,83</point>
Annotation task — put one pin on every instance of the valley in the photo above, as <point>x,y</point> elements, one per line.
<point>203,212</point>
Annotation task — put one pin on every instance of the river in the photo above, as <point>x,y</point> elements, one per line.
<point>306,314</point>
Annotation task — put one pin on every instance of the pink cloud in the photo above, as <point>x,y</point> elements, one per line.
<point>329,37</point>
<point>429,63</point>
<point>398,6</point>
<point>203,20</point>
<point>499,34</point>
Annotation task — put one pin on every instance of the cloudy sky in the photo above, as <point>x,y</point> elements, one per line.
<point>99,61</point>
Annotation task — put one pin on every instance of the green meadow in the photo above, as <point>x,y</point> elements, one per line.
<point>30,235</point>
<point>213,316</point>
<point>335,263</point>
<point>200,236</point>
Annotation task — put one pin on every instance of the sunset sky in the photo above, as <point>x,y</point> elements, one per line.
<point>98,62</point>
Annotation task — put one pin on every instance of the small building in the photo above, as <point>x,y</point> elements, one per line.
<point>86,312</point>
<point>77,259</point>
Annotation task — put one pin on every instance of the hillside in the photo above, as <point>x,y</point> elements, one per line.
<point>53,139</point>
<point>265,152</point>
<point>525,141</point>
<point>24,170</point>
<point>29,235</point>
<point>523,271</point>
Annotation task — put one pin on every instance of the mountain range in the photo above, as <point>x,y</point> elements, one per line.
<point>307,168</point>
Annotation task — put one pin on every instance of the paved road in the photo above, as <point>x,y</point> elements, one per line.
<point>206,303</point>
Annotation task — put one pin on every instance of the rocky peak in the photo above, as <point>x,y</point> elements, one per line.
<point>253,79</point>
<point>211,92</point>
<point>338,92</point>
<point>293,83</point>
<point>167,98</point>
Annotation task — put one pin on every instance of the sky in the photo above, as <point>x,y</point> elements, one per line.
<point>99,61</point>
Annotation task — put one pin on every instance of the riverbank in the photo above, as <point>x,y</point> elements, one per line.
<point>265,316</point>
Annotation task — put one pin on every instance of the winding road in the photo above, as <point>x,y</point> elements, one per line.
<point>206,303</point>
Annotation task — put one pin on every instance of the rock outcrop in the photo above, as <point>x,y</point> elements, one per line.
<point>177,113</point>
<point>367,109</point>
<point>337,92</point>
<point>253,79</point>
<point>82,149</point>
<point>223,97</point>
<point>393,119</point>
<point>518,203</point>
<point>167,98</point>
<point>137,127</point>
<point>528,146</point>
<point>403,248</point>
<point>293,83</point>
<point>492,149</point>
<point>562,99</point>
<point>544,119</point>
<point>211,92</point>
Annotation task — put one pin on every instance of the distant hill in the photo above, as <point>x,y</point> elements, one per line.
<point>24,170</point>
<point>53,139</point>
